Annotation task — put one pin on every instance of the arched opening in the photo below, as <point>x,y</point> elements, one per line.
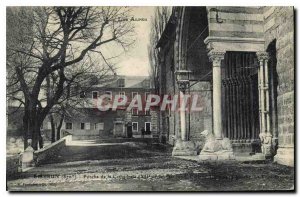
<point>194,51</point>
<point>240,101</point>
<point>193,57</point>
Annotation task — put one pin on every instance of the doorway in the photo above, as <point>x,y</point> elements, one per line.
<point>240,101</point>
<point>147,128</point>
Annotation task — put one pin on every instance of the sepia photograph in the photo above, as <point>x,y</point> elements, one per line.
<point>150,98</point>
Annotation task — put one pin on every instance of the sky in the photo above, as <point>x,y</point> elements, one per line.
<point>136,62</point>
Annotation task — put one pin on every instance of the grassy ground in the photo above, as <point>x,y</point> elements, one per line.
<point>138,167</point>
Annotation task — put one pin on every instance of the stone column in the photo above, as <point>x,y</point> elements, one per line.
<point>183,147</point>
<point>265,130</point>
<point>182,86</point>
<point>216,58</point>
<point>215,147</point>
<point>182,117</point>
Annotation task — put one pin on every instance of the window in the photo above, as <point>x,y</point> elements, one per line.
<point>99,126</point>
<point>135,126</point>
<point>121,83</point>
<point>82,94</point>
<point>135,112</point>
<point>146,95</point>
<point>69,125</point>
<point>95,94</point>
<point>82,126</point>
<point>147,112</point>
<point>134,94</point>
<point>87,126</point>
<point>147,127</point>
<point>109,93</point>
<point>121,96</point>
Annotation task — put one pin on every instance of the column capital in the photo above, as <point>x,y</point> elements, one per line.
<point>262,55</point>
<point>216,56</point>
<point>183,85</point>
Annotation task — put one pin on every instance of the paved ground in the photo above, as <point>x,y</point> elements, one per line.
<point>93,166</point>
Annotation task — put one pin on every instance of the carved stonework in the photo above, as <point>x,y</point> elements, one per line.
<point>216,149</point>
<point>28,159</point>
<point>266,143</point>
<point>183,85</point>
<point>216,57</point>
<point>261,56</point>
<point>184,148</point>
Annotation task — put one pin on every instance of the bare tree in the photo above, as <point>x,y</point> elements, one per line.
<point>87,76</point>
<point>158,24</point>
<point>59,42</point>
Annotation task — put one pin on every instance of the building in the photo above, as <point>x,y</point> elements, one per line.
<point>85,121</point>
<point>88,121</point>
<point>240,61</point>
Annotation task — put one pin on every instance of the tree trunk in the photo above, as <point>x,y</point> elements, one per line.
<point>25,128</point>
<point>37,139</point>
<point>35,120</point>
<point>52,128</point>
<point>59,126</point>
<point>41,140</point>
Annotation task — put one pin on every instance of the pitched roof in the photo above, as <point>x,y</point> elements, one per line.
<point>129,82</point>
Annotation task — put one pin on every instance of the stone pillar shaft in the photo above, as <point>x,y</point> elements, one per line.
<point>217,114</point>
<point>182,118</point>
<point>216,58</point>
<point>264,92</point>
<point>259,97</point>
<point>215,149</point>
<point>265,130</point>
<point>262,96</point>
<point>266,88</point>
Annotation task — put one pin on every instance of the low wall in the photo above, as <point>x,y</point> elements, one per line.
<point>122,140</point>
<point>51,151</point>
<point>12,166</point>
<point>85,137</point>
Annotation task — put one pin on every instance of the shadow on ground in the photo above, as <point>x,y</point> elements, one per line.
<point>96,150</point>
<point>141,167</point>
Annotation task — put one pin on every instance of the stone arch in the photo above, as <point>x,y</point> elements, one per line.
<point>190,53</point>
<point>191,31</point>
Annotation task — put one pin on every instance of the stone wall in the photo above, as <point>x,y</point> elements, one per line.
<point>47,153</point>
<point>167,119</point>
<point>241,22</point>
<point>154,126</point>
<point>279,30</point>
<point>201,120</point>
<point>12,166</point>
<point>251,29</point>
<point>141,120</point>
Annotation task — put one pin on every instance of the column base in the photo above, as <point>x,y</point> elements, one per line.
<point>184,148</point>
<point>285,156</point>
<point>214,156</point>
